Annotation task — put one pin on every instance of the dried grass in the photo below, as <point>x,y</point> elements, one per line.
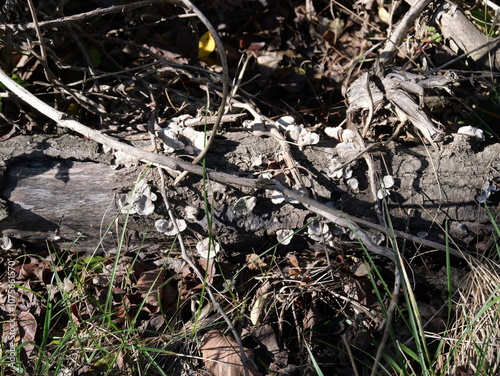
<point>474,337</point>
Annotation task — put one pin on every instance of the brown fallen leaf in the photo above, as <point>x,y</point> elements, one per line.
<point>266,338</point>
<point>255,263</point>
<point>222,356</point>
<point>24,329</point>
<point>148,285</point>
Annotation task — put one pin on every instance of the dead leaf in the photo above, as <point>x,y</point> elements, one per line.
<point>222,356</point>
<point>364,291</point>
<point>293,261</point>
<point>7,136</point>
<point>266,338</point>
<point>255,262</point>
<point>25,329</point>
<point>147,286</point>
<point>295,269</point>
<point>209,266</point>
<point>75,314</point>
<point>123,362</point>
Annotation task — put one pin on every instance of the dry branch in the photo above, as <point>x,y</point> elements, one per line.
<point>465,37</point>
<point>85,15</point>
<point>401,32</point>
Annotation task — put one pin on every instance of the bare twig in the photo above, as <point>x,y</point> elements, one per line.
<point>401,31</point>
<point>85,15</point>
<point>390,315</point>
<point>369,118</point>
<point>225,81</point>
<point>351,355</point>
<point>199,275</point>
<point>465,55</point>
<point>48,74</point>
<point>483,51</point>
<point>200,121</point>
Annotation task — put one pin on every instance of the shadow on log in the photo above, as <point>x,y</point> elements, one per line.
<point>64,187</point>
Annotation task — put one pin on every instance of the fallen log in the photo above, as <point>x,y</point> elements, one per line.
<point>64,186</point>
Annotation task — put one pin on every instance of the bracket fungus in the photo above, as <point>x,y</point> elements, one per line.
<point>167,227</point>
<point>139,201</point>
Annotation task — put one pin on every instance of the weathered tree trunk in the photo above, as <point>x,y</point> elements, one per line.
<point>64,187</point>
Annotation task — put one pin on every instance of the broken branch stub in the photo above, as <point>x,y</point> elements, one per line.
<point>483,52</point>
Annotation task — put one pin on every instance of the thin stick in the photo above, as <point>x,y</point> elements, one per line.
<point>401,32</point>
<point>192,265</point>
<point>225,82</point>
<point>351,355</point>
<point>390,316</point>
<point>39,35</point>
<point>83,16</point>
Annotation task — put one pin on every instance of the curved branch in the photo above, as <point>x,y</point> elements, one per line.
<point>395,40</point>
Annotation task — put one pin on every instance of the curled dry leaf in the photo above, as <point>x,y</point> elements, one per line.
<point>148,288</point>
<point>266,338</point>
<point>360,269</point>
<point>258,307</point>
<point>255,262</point>
<point>263,293</point>
<point>222,356</point>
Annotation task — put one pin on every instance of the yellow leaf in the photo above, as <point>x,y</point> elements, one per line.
<point>206,45</point>
<point>384,15</point>
<point>72,109</point>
